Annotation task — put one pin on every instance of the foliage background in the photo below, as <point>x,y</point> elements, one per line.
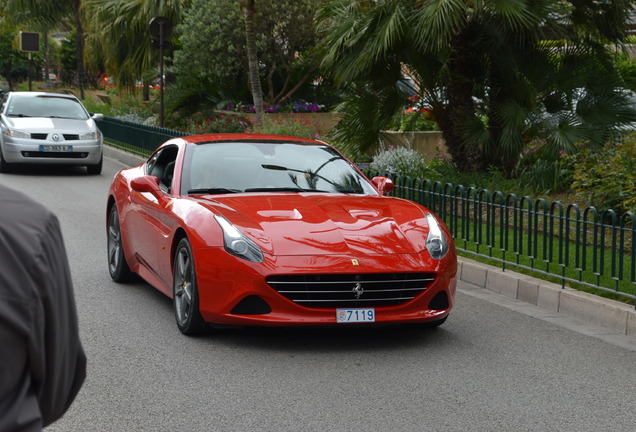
<point>211,65</point>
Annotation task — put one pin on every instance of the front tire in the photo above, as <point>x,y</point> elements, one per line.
<point>5,167</point>
<point>117,264</point>
<point>95,169</point>
<point>185,291</point>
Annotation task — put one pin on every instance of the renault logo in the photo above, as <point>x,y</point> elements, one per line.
<point>358,290</point>
<point>55,137</point>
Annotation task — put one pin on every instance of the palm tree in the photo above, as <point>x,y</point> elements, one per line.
<point>483,67</point>
<point>249,11</point>
<point>119,29</point>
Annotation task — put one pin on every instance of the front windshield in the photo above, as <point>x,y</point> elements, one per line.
<point>230,167</point>
<point>45,106</point>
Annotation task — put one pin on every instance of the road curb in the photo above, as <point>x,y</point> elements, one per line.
<point>612,315</point>
<point>127,158</point>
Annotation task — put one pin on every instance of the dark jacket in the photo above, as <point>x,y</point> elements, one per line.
<point>42,362</point>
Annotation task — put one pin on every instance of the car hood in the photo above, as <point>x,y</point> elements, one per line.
<point>44,124</point>
<point>311,224</point>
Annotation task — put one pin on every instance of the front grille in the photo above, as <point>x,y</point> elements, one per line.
<point>61,155</point>
<point>351,290</point>
<point>38,136</point>
<point>71,137</point>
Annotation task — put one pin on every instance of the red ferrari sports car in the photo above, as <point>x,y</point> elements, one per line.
<point>268,230</point>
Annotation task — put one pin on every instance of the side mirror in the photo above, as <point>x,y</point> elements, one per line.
<point>97,116</point>
<point>384,185</point>
<point>147,183</point>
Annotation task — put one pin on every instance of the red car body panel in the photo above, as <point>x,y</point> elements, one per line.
<point>298,233</point>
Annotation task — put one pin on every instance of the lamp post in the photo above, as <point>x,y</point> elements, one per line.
<point>160,31</point>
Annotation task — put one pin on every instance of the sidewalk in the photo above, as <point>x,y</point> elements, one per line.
<point>613,315</point>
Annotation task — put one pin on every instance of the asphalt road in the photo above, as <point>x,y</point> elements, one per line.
<point>488,368</point>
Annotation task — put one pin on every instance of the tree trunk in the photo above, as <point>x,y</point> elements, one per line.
<point>81,70</point>
<point>146,91</point>
<point>249,10</point>
<point>459,107</point>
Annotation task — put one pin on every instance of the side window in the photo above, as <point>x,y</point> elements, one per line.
<point>151,163</point>
<point>161,165</point>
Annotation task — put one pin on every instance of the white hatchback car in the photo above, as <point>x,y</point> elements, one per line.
<point>48,128</point>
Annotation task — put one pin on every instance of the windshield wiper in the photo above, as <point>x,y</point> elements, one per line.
<point>212,191</point>
<point>283,189</point>
<point>276,167</point>
<point>19,115</point>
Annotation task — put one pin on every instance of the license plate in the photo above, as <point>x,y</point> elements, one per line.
<point>358,315</point>
<point>56,148</point>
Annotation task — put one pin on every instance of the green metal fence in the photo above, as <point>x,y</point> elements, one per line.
<point>135,137</point>
<point>574,246</point>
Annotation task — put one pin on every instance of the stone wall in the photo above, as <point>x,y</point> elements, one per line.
<point>430,143</point>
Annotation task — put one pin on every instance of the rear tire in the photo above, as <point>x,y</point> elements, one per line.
<point>185,292</point>
<point>117,264</point>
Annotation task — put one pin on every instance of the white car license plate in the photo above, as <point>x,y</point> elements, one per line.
<point>56,148</point>
<point>358,315</point>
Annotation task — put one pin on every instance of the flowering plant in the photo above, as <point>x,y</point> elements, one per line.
<point>293,107</point>
<point>293,126</point>
<point>217,123</point>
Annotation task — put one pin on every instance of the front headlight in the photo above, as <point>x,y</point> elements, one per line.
<point>436,242</point>
<point>237,243</point>
<point>89,135</point>
<point>15,133</point>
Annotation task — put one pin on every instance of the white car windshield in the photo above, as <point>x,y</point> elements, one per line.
<point>232,167</point>
<point>45,106</point>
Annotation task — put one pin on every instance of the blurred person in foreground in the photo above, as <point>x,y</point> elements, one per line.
<point>42,362</point>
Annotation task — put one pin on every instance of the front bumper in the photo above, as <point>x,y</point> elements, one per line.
<point>225,288</point>
<point>30,151</point>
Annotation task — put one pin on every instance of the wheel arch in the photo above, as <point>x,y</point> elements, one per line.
<point>109,203</point>
<point>179,234</point>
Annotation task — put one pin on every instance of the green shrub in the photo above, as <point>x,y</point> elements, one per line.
<point>606,178</point>
<point>627,69</point>
<point>210,123</point>
<point>290,126</point>
<point>538,171</point>
<point>130,108</point>
<point>399,160</point>
<point>412,122</point>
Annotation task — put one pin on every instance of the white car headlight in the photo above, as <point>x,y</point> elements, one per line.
<point>89,135</point>
<point>15,133</point>
<point>436,242</point>
<point>237,243</point>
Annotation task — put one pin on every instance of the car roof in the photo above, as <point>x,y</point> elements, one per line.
<point>211,138</point>
<point>47,94</point>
